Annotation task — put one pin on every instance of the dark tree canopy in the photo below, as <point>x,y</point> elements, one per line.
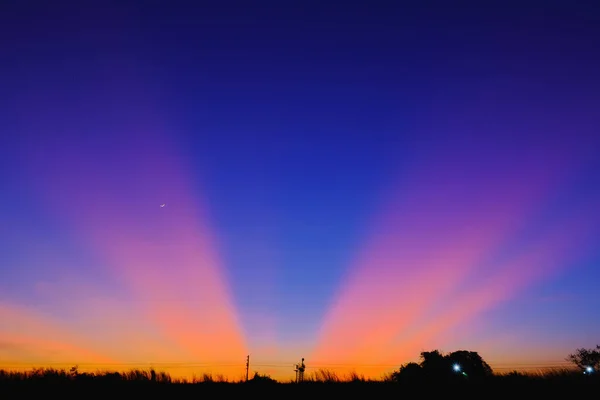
<point>410,372</point>
<point>471,363</point>
<point>584,358</point>
<point>434,365</point>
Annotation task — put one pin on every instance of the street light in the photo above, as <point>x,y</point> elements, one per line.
<point>588,370</point>
<point>456,367</point>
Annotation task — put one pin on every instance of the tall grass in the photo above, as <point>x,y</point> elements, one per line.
<point>566,375</point>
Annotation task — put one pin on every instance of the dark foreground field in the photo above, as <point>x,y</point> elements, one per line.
<point>567,385</point>
<point>335,390</point>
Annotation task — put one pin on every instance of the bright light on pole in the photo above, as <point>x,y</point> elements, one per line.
<point>456,367</point>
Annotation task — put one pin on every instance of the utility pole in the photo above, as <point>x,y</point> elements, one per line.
<point>247,366</point>
<point>296,371</point>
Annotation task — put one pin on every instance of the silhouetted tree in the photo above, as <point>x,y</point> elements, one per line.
<point>584,358</point>
<point>434,365</point>
<point>471,363</point>
<point>409,372</point>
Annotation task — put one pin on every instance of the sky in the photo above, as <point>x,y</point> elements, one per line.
<point>185,184</point>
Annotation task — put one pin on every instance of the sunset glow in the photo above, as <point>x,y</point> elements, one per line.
<point>188,188</point>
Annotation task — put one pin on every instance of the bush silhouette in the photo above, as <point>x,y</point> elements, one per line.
<point>410,372</point>
<point>456,366</point>
<point>262,378</point>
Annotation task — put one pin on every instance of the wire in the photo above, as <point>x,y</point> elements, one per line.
<point>561,364</point>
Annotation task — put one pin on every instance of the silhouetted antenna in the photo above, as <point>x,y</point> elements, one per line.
<point>247,366</point>
<point>300,371</point>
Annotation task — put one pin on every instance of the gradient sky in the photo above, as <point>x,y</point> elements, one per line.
<point>349,182</point>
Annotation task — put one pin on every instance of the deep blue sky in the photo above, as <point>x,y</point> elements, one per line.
<point>302,127</point>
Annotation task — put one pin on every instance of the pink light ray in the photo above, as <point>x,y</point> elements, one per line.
<point>165,254</point>
<point>439,243</point>
<point>545,258</point>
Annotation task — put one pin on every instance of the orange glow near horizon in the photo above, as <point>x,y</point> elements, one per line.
<point>162,258</point>
<point>29,335</point>
<point>427,267</point>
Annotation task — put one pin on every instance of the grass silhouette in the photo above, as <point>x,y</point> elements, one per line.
<point>452,374</point>
<point>567,381</point>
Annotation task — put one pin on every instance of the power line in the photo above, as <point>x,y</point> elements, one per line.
<point>277,365</point>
